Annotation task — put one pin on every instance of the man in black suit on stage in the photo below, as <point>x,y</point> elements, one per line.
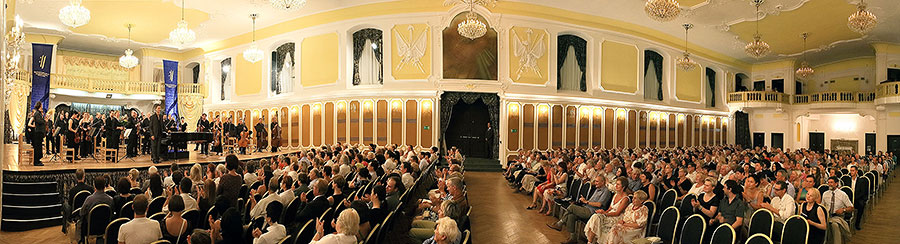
<point>40,129</point>
<point>203,126</point>
<point>157,121</point>
<point>132,139</point>
<point>112,130</point>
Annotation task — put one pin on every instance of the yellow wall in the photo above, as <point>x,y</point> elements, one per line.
<point>133,74</point>
<point>148,52</point>
<point>864,62</point>
<point>248,79</point>
<point>524,74</point>
<point>781,64</point>
<point>619,67</point>
<point>687,84</point>
<point>319,60</point>
<point>411,70</point>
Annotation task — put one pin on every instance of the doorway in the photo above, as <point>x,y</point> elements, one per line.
<point>759,140</point>
<point>870,143</point>
<point>777,140</point>
<point>464,121</point>
<point>778,85</point>
<point>817,141</point>
<point>759,85</point>
<point>893,144</point>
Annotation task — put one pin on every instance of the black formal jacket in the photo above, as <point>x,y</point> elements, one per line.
<point>40,125</point>
<point>313,209</point>
<point>156,126</point>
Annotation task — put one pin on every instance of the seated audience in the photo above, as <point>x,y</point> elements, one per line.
<point>275,231</point>
<point>139,230</point>
<point>631,225</point>
<point>445,232</point>
<point>346,226</point>
<point>174,227</point>
<point>601,222</point>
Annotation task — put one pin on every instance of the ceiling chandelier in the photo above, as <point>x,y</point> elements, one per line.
<point>288,4</point>
<point>862,21</point>
<point>253,54</point>
<point>662,10</point>
<point>686,63</point>
<point>128,60</point>
<point>471,28</point>
<point>182,34</point>
<point>74,14</point>
<point>804,71</point>
<point>757,48</point>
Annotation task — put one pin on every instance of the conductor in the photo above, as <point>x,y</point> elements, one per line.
<point>156,132</point>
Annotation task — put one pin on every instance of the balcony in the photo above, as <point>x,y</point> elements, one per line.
<point>759,99</point>
<point>887,93</point>
<point>768,99</point>
<point>127,87</point>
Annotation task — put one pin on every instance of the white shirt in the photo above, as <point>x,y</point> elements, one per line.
<point>335,239</point>
<point>345,170</point>
<point>260,209</point>
<point>140,231</point>
<point>785,205</point>
<point>275,233</point>
<point>286,197</point>
<point>408,180</point>
<point>249,178</point>
<point>841,200</point>
<point>189,202</point>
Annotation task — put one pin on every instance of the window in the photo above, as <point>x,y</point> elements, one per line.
<point>571,63</point>
<point>367,68</point>
<point>282,71</point>
<point>226,79</point>
<point>778,85</point>
<point>711,87</point>
<point>893,74</point>
<point>653,73</point>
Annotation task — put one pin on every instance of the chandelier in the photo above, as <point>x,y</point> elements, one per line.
<point>15,40</point>
<point>288,4</point>
<point>757,48</point>
<point>471,28</point>
<point>74,14</point>
<point>862,21</point>
<point>662,10</point>
<point>686,63</point>
<point>804,71</point>
<point>128,60</point>
<point>181,34</point>
<point>253,54</point>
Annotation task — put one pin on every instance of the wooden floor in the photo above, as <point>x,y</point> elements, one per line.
<point>499,216</point>
<point>11,162</point>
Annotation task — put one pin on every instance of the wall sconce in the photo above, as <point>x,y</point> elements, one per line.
<point>724,122</point>
<point>513,108</point>
<point>585,111</point>
<point>681,118</point>
<point>543,108</point>
<point>654,116</point>
<point>664,117</point>
<point>317,107</point>
<point>598,111</point>
<point>367,105</point>
<point>620,114</point>
<point>426,104</point>
<point>395,104</point>
<point>294,109</point>
<point>341,105</point>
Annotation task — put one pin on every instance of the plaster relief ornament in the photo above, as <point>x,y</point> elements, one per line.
<point>529,50</point>
<point>411,52</point>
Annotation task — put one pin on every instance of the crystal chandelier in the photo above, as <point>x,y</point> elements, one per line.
<point>662,10</point>
<point>288,4</point>
<point>128,60</point>
<point>182,34</point>
<point>862,21</point>
<point>757,48</point>
<point>686,63</point>
<point>471,28</point>
<point>74,14</point>
<point>804,71</point>
<point>15,40</point>
<point>253,54</point>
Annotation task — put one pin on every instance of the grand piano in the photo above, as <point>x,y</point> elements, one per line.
<point>175,143</point>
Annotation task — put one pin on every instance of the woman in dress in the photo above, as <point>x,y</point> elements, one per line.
<point>559,180</point>
<point>707,203</point>
<point>600,223</point>
<point>631,225</point>
<point>539,189</point>
<point>752,195</point>
<point>174,227</point>
<point>815,216</point>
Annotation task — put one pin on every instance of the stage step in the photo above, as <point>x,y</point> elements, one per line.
<point>482,165</point>
<point>30,205</point>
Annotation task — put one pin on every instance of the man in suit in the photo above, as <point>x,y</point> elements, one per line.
<point>40,129</point>
<point>489,139</point>
<point>241,128</point>
<point>131,149</point>
<point>156,132</point>
<point>260,134</point>
<point>311,209</point>
<point>112,131</point>
<point>203,126</point>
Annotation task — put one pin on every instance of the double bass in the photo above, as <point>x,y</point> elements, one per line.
<point>276,135</point>
<point>245,139</point>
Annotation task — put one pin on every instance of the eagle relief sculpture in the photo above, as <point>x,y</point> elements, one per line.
<point>529,50</point>
<point>411,51</point>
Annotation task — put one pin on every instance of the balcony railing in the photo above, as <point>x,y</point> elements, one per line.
<point>758,96</point>
<point>89,84</point>
<point>888,89</point>
<point>834,97</point>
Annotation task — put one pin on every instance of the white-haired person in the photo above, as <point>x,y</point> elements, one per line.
<point>446,232</point>
<point>631,225</point>
<point>346,226</point>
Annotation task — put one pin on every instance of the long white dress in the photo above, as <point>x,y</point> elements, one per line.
<point>286,75</point>
<point>601,224</point>
<point>368,65</point>
<point>570,73</point>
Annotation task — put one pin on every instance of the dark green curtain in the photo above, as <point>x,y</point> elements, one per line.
<point>580,45</point>
<point>711,80</point>
<point>657,60</point>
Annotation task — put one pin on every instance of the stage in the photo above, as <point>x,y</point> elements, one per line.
<point>11,161</point>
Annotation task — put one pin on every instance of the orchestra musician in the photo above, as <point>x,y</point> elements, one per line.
<point>157,121</point>
<point>72,133</point>
<point>59,130</point>
<point>239,130</point>
<point>112,130</point>
<point>99,129</point>
<point>85,129</point>
<point>228,130</point>
<point>39,125</point>
<point>261,135</point>
<point>48,133</point>
<point>276,134</point>
<point>131,141</point>
<point>203,126</point>
<point>182,126</point>
<point>217,135</point>
<point>171,126</point>
<point>145,134</point>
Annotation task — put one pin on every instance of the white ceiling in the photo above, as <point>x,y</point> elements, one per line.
<point>229,18</point>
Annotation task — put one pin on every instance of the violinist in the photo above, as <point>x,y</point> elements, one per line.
<point>84,130</point>
<point>72,133</point>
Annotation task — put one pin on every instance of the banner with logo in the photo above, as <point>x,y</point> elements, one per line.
<point>40,77</point>
<point>170,69</point>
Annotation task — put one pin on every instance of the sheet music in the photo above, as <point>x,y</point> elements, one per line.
<point>127,133</point>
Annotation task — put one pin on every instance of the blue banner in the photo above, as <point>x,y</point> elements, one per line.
<point>40,77</point>
<point>170,69</point>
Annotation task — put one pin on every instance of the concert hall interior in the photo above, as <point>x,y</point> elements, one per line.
<point>450,121</point>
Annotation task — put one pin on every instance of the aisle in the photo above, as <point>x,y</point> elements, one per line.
<point>881,225</point>
<point>499,215</point>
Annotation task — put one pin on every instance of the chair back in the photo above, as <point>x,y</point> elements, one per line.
<point>244,192</point>
<point>326,217</point>
<point>724,234</point>
<point>112,230</point>
<point>686,208</point>
<point>849,192</point>
<point>290,213</point>
<point>306,233</point>
<point>758,239</point>
<point>872,180</point>
<point>78,201</point>
<point>823,188</point>
<point>156,205</point>
<point>585,191</point>
<point>98,219</point>
<point>111,193</point>
<point>372,234</point>
<point>693,230</point>
<point>193,217</point>
<point>467,235</point>
<point>127,211</point>
<point>651,210</point>
<point>761,222</point>
<point>158,216</point>
<point>161,242</point>
<point>846,180</point>
<point>285,239</point>
<point>796,230</point>
<point>668,198</point>
<point>845,171</point>
<point>135,191</point>
<point>668,224</point>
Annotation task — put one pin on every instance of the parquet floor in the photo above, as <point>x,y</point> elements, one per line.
<point>881,224</point>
